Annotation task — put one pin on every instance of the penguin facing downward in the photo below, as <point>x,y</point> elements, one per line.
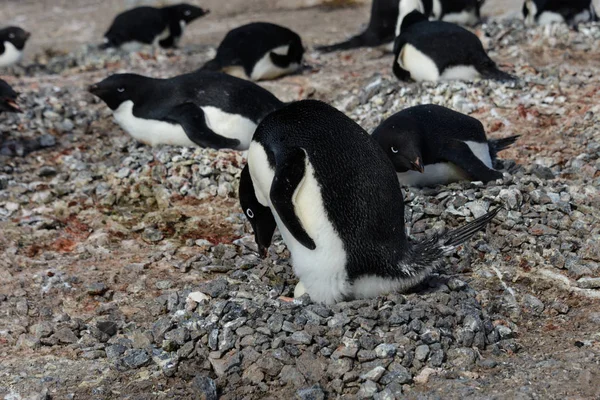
<point>149,25</point>
<point>8,98</point>
<point>203,108</point>
<point>437,50</point>
<point>380,31</point>
<point>334,195</point>
<point>434,145</point>
<point>258,51</point>
<point>463,12</point>
<point>12,43</point>
<point>545,12</point>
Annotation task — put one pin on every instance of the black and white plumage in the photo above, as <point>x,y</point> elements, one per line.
<point>434,145</point>
<point>545,12</point>
<point>12,43</point>
<point>463,12</point>
<point>8,98</point>
<point>437,50</point>
<point>149,25</point>
<point>333,193</point>
<point>379,32</point>
<point>258,51</point>
<point>203,108</point>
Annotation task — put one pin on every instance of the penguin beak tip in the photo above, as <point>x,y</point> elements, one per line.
<point>14,106</point>
<point>417,165</point>
<point>92,88</point>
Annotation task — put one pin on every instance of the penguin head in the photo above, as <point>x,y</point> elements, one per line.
<point>8,98</point>
<point>15,35</point>
<point>119,88</point>
<point>188,13</point>
<point>402,147</point>
<point>412,18</point>
<point>260,217</point>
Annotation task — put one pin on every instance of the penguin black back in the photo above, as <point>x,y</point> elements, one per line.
<point>572,12</point>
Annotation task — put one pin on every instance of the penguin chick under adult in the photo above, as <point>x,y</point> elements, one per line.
<point>12,43</point>
<point>463,12</point>
<point>8,98</point>
<point>203,108</point>
<point>258,51</point>
<point>434,145</point>
<point>334,195</point>
<point>545,12</point>
<point>149,25</point>
<point>379,32</point>
<point>437,50</point>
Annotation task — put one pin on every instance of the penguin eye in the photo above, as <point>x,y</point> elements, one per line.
<point>394,150</point>
<point>121,90</point>
<point>187,12</point>
<point>250,213</point>
<point>11,35</point>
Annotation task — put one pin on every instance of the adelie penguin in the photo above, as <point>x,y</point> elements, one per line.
<point>379,32</point>
<point>12,43</point>
<point>463,12</point>
<point>149,25</point>
<point>433,145</point>
<point>545,12</point>
<point>204,108</point>
<point>333,193</point>
<point>258,51</point>
<point>8,98</point>
<point>437,50</point>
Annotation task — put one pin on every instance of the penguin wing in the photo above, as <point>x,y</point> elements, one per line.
<point>288,176</point>
<point>193,121</point>
<point>460,154</point>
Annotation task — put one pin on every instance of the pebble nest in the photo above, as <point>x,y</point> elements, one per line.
<point>86,193</point>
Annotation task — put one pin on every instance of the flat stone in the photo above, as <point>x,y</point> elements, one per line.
<point>367,390</point>
<point>65,335</point>
<point>311,393</point>
<point>204,387</point>
<point>462,357</point>
<point>108,327</point>
<point>135,358</point>
<point>373,375</point>
<point>300,337</point>
<point>385,350</point>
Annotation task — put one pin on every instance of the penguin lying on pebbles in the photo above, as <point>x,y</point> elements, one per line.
<point>12,43</point>
<point>258,51</point>
<point>463,12</point>
<point>437,50</point>
<point>149,25</point>
<point>8,98</point>
<point>334,195</point>
<point>545,12</point>
<point>380,31</point>
<point>203,108</point>
<point>433,145</point>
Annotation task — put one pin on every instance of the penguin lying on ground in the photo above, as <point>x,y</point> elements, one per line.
<point>380,31</point>
<point>433,145</point>
<point>148,25</point>
<point>12,43</point>
<point>8,98</point>
<point>437,50</point>
<point>546,12</point>
<point>334,195</point>
<point>463,12</point>
<point>203,108</point>
<point>258,51</point>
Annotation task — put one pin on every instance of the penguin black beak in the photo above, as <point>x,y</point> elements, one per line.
<point>417,165</point>
<point>206,12</point>
<point>93,89</point>
<point>27,35</point>
<point>13,105</point>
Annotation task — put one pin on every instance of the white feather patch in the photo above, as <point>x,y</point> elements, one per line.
<point>232,126</point>
<point>11,55</point>
<point>419,65</point>
<point>265,69</point>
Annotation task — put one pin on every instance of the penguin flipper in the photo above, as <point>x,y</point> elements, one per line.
<point>288,176</point>
<point>193,121</point>
<point>460,154</point>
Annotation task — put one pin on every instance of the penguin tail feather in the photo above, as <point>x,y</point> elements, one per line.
<point>424,257</point>
<point>489,70</point>
<point>212,65</point>
<point>352,43</point>
<point>497,145</point>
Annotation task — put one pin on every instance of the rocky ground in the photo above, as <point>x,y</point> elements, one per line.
<point>130,272</point>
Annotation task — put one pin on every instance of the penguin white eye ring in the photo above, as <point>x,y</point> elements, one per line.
<point>250,213</point>
<point>11,35</point>
<point>394,150</point>
<point>187,12</point>
<point>120,90</point>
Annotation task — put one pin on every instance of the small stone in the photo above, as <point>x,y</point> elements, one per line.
<point>214,288</point>
<point>462,357</point>
<point>300,337</point>
<point>179,335</point>
<point>114,351</point>
<point>41,330</point>
<point>108,327</point>
<point>367,390</point>
<point>504,332</point>
<point>385,394</point>
<point>26,341</point>
<point>385,350</point>
<point>589,283</point>
<point>424,375</point>
<point>533,304</point>
<point>152,235</point>
<point>311,393</point>
<point>135,358</point>
<point>204,388</point>
<point>373,375</point>
<point>421,352</point>
<point>65,335</point>
<point>456,284</point>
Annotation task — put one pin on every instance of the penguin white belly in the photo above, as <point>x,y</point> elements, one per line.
<point>321,271</point>
<point>419,65</point>
<point>583,16</point>
<point>447,172</point>
<point>265,69</point>
<point>405,8</point>
<point>11,55</point>
<point>150,132</point>
<point>549,17</point>
<point>464,17</point>
<point>372,286</point>
<point>236,70</point>
<point>231,126</point>
<point>460,72</point>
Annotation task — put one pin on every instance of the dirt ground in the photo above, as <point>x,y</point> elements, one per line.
<point>560,355</point>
